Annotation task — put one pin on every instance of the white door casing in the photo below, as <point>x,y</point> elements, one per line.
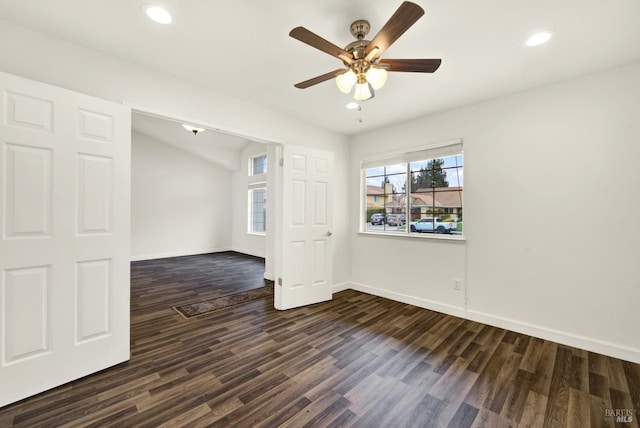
<point>306,255</point>
<point>65,232</point>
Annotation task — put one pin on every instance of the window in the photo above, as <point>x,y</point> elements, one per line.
<point>258,208</point>
<point>258,165</point>
<point>257,212</point>
<point>415,192</point>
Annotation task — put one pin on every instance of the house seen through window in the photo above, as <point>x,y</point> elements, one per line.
<point>416,192</point>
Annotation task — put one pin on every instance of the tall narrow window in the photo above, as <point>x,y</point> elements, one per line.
<point>257,212</point>
<point>415,192</point>
<point>258,209</point>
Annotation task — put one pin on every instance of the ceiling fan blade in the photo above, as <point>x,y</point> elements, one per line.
<point>319,79</point>
<point>313,40</point>
<point>406,15</point>
<point>411,65</point>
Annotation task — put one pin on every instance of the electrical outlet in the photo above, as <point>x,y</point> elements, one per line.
<point>456,284</point>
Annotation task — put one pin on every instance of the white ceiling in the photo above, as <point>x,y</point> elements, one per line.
<point>242,47</point>
<point>216,147</point>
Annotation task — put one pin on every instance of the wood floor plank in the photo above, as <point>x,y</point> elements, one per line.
<point>483,390</point>
<point>516,399</point>
<point>328,403</point>
<point>534,410</point>
<point>97,414</point>
<point>532,355</point>
<point>617,376</point>
<point>506,376</point>
<point>427,409</point>
<point>464,417</point>
<point>454,399</point>
<point>597,418</point>
<point>381,406</point>
<point>362,394</point>
<point>579,373</point>
<point>558,404</point>
<point>621,401</point>
<point>578,411</point>
<point>544,368</point>
<point>632,372</point>
<point>187,418</point>
<point>357,360</point>
<point>488,419</point>
<point>456,380</point>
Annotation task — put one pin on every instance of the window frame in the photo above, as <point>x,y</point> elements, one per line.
<point>262,185</point>
<point>433,151</point>
<point>251,171</point>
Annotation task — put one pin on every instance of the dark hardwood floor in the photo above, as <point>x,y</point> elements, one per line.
<point>358,360</point>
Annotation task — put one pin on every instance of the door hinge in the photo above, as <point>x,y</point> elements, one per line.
<point>280,282</point>
<point>281,162</point>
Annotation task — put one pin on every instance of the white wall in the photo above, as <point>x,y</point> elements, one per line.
<point>242,241</point>
<point>180,203</point>
<point>551,215</point>
<point>40,57</point>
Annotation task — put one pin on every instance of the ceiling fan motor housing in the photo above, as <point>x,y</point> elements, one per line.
<point>360,28</point>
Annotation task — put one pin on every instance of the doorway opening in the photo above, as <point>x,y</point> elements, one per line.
<point>192,191</point>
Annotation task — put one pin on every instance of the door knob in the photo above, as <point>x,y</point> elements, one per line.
<point>329,233</point>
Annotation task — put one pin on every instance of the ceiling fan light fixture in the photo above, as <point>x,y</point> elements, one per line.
<point>192,129</point>
<point>377,77</point>
<point>362,92</point>
<point>362,57</point>
<point>345,81</point>
<point>353,106</point>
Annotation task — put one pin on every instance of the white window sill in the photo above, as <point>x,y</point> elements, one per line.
<point>257,233</point>
<point>404,235</point>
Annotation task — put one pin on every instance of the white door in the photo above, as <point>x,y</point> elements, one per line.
<point>64,244</point>
<point>306,254</point>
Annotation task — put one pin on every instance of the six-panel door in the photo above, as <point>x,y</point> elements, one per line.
<point>64,247</point>
<point>306,227</point>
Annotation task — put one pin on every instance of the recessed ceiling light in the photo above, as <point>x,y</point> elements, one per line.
<point>158,14</point>
<point>353,106</point>
<point>539,38</point>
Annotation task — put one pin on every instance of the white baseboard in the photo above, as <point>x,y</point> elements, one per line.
<point>249,252</point>
<point>341,287</point>
<point>177,254</point>
<point>411,300</point>
<point>587,343</point>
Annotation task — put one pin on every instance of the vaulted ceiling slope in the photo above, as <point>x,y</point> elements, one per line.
<point>216,147</point>
<point>242,48</point>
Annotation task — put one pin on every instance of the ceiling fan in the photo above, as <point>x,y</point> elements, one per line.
<point>364,68</point>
